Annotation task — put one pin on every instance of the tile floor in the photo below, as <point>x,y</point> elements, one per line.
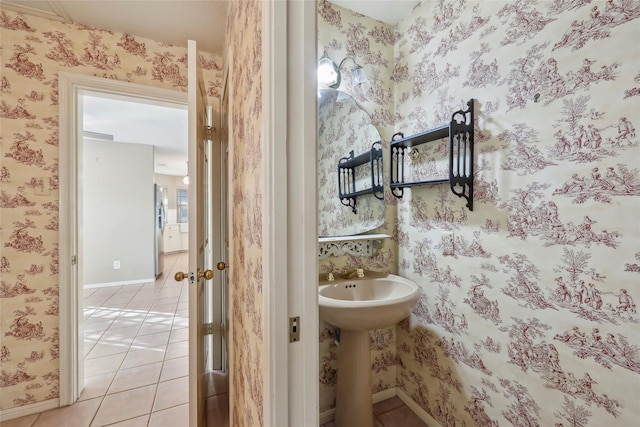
<point>136,359</point>
<point>391,412</point>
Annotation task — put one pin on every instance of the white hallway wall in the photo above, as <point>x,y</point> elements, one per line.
<point>117,212</point>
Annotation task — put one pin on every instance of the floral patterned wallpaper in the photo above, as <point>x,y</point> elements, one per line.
<point>529,318</point>
<point>341,33</point>
<point>244,38</point>
<point>33,51</point>
<point>528,315</point>
<point>343,127</point>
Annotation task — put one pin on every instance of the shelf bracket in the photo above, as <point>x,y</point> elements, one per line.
<point>397,159</point>
<point>461,154</point>
<point>350,202</point>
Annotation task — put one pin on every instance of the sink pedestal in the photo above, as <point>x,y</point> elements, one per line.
<point>354,404</point>
<point>357,306</point>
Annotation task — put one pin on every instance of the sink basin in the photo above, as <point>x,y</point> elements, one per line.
<point>367,303</point>
<point>356,306</point>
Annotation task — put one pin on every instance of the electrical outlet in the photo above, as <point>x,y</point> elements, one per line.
<point>116,265</point>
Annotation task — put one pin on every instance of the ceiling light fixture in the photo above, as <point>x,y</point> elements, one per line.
<point>185,180</point>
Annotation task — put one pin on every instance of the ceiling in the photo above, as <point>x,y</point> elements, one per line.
<point>388,11</point>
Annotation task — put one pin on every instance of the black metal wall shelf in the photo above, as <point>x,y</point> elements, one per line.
<point>460,134</point>
<point>347,176</point>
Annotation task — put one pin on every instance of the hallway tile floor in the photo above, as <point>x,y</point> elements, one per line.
<point>136,357</point>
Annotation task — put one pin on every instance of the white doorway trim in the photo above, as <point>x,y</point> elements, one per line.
<point>290,208</point>
<point>70,85</point>
<point>275,258</point>
<point>302,210</point>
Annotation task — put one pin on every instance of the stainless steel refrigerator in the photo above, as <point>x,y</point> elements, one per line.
<point>159,221</point>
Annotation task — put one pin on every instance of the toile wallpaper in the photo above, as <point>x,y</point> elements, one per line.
<point>529,309</point>
<point>342,33</point>
<point>33,51</point>
<point>528,315</point>
<point>244,37</point>
<point>344,128</point>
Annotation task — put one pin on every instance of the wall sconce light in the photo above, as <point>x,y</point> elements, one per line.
<point>329,74</point>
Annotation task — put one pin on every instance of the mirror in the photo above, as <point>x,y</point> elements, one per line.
<point>342,127</point>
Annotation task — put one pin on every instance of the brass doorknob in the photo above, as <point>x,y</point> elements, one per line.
<point>207,274</point>
<point>221,266</point>
<point>180,276</point>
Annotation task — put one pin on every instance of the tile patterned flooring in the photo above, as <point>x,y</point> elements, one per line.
<point>391,412</point>
<point>136,359</point>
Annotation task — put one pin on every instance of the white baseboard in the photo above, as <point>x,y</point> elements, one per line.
<point>123,283</point>
<point>416,409</point>
<point>34,408</point>
<point>384,395</point>
<point>329,415</point>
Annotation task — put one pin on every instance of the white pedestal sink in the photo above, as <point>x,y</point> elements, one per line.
<point>357,306</point>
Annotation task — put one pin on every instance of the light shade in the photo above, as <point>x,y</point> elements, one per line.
<point>359,77</point>
<point>328,73</point>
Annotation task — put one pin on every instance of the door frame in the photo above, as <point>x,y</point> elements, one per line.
<point>290,261</point>
<point>70,293</point>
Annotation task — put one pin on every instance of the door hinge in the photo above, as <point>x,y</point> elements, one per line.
<point>208,328</point>
<point>74,259</point>
<point>294,329</point>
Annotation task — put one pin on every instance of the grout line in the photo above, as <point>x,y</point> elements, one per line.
<point>160,287</point>
<point>400,405</point>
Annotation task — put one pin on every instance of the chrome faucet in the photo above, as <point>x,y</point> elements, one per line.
<point>330,277</point>
<point>359,272</point>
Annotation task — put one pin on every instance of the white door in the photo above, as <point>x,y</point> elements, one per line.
<point>207,240</point>
<point>200,255</point>
<point>216,232</point>
<point>219,236</point>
